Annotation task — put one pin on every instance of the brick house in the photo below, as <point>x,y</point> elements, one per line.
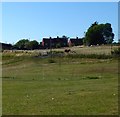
<point>47,42</point>
<point>55,42</point>
<point>5,46</point>
<point>75,41</point>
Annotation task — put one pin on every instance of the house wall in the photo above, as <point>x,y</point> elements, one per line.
<point>5,46</point>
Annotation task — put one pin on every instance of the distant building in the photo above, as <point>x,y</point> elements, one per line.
<point>55,42</point>
<point>47,42</point>
<point>75,41</point>
<point>60,41</point>
<point>4,46</point>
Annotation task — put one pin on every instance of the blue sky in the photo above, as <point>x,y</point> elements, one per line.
<point>36,20</point>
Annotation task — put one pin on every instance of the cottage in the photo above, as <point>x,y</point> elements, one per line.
<point>75,41</point>
<point>5,46</point>
<point>47,42</point>
<point>60,41</point>
<point>55,42</point>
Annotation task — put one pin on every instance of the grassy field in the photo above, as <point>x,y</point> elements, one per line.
<point>67,86</point>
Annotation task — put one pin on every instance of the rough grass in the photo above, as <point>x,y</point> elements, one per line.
<point>78,49</point>
<point>91,50</point>
<point>68,86</point>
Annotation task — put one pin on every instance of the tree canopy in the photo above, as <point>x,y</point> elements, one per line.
<point>33,45</point>
<point>26,44</point>
<point>21,44</point>
<point>99,34</point>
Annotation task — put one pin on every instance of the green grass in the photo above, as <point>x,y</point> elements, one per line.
<point>67,86</point>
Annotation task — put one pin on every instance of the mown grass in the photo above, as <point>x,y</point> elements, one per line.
<point>81,84</point>
<point>67,86</point>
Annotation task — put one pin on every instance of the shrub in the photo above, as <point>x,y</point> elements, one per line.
<point>57,52</point>
<point>51,61</point>
<point>58,45</point>
<point>116,52</point>
<point>92,77</point>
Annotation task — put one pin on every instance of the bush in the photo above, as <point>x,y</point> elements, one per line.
<point>57,52</point>
<point>58,45</point>
<point>92,77</point>
<point>116,52</point>
<point>51,61</point>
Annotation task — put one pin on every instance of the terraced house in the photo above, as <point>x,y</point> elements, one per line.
<point>5,46</point>
<point>61,42</point>
<point>55,42</point>
<point>75,41</point>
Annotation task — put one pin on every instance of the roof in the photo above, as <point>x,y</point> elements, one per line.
<point>58,39</point>
<point>74,40</point>
<point>4,44</point>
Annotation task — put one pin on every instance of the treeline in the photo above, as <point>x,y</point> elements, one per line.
<point>96,34</point>
<point>26,44</point>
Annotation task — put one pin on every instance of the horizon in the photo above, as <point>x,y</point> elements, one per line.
<point>38,19</point>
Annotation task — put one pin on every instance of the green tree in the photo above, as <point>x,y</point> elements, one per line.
<point>99,34</point>
<point>94,24</point>
<point>65,37</point>
<point>26,44</point>
<point>107,33</point>
<point>21,44</point>
<point>33,45</point>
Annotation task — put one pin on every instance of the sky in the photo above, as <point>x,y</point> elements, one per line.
<point>35,20</point>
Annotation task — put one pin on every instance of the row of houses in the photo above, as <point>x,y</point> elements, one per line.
<point>50,43</point>
<point>61,42</point>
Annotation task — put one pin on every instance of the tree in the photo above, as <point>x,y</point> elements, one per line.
<point>65,37</point>
<point>99,34</point>
<point>21,44</point>
<point>26,44</point>
<point>107,33</point>
<point>33,45</point>
<point>94,24</point>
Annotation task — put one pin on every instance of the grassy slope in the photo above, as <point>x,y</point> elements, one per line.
<point>35,86</point>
